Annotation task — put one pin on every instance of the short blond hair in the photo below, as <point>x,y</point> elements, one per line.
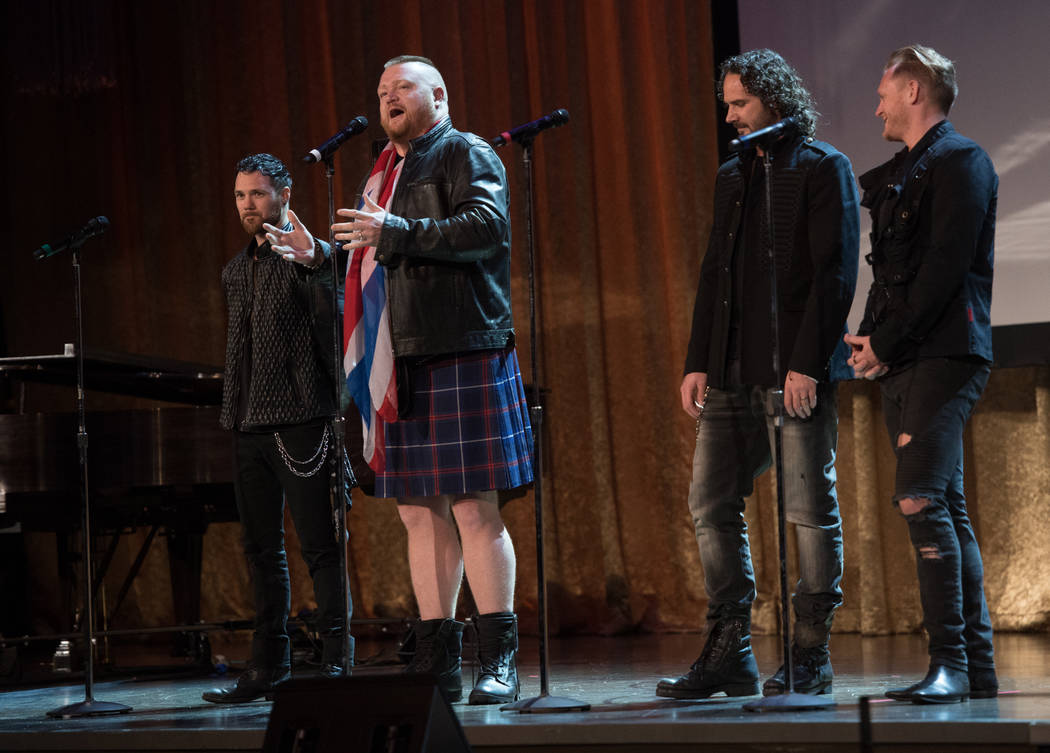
<point>926,65</point>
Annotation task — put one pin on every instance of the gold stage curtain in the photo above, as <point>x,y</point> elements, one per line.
<point>141,110</point>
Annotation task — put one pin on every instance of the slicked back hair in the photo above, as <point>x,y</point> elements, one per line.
<point>929,67</point>
<point>269,166</point>
<point>766,75</point>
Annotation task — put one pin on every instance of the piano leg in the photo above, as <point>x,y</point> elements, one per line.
<point>185,559</point>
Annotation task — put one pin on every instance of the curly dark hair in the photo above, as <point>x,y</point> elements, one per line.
<point>766,75</point>
<point>269,166</point>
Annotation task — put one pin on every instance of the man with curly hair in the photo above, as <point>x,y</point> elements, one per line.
<point>730,380</point>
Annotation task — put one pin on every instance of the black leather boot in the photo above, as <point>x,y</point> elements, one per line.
<point>332,656</point>
<point>941,685</point>
<point>983,683</point>
<point>253,684</point>
<point>270,666</point>
<point>439,651</point>
<point>497,646</point>
<point>811,672</point>
<point>726,664</point>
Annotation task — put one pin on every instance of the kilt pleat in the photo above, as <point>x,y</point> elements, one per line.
<point>467,429</point>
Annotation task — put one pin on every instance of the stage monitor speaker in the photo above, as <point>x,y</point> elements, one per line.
<point>363,714</point>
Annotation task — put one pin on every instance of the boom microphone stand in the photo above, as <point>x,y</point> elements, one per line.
<point>789,700</point>
<point>544,702</point>
<point>89,706</point>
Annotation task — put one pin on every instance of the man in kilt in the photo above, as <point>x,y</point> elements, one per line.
<point>432,367</point>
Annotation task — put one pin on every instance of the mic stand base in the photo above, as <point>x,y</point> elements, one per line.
<point>790,702</point>
<point>88,708</point>
<point>546,704</point>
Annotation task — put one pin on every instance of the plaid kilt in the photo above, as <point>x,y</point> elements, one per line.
<point>467,429</point>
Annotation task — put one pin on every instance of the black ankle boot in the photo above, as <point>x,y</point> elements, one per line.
<point>810,672</point>
<point>497,646</point>
<point>253,684</point>
<point>332,656</point>
<point>726,664</point>
<point>941,685</point>
<point>983,683</point>
<point>439,650</point>
<point>270,666</point>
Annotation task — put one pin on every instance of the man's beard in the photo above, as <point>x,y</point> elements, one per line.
<point>253,223</point>
<point>411,125</point>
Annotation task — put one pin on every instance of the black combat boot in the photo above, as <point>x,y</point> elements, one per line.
<point>439,650</point>
<point>983,683</point>
<point>497,646</point>
<point>270,666</point>
<point>332,655</point>
<point>726,664</point>
<point>810,672</point>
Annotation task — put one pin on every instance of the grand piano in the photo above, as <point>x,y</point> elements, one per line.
<point>166,468</point>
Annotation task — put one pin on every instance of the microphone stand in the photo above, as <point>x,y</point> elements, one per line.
<point>89,706</point>
<point>338,463</point>
<point>789,700</point>
<point>544,702</point>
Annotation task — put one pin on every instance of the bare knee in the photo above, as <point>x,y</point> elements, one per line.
<point>417,512</point>
<point>478,513</point>
<point>912,505</point>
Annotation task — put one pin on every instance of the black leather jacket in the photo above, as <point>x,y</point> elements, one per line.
<point>817,239</point>
<point>932,238</point>
<point>446,246</point>
<point>284,311</point>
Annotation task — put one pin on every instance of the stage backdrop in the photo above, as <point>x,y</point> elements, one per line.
<point>140,111</point>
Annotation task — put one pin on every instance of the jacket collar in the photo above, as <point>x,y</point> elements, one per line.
<point>778,148</point>
<point>427,140</point>
<point>936,132</point>
<point>905,159</point>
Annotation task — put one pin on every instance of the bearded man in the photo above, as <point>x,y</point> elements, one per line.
<point>278,399</point>
<point>432,367</point>
<point>730,380</point>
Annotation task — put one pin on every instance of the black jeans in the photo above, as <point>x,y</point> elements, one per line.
<point>932,401</point>
<point>263,481</point>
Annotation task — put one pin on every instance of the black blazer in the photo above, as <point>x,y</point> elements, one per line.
<point>816,220</point>
<point>932,241</point>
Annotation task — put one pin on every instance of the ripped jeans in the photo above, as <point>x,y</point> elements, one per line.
<point>931,401</point>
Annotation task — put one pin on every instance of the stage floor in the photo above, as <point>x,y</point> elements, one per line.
<point>617,676</point>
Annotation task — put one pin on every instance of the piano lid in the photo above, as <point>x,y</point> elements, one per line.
<point>151,377</point>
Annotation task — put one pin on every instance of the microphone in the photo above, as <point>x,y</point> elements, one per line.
<point>95,226</point>
<point>762,137</point>
<point>520,133</point>
<point>327,149</point>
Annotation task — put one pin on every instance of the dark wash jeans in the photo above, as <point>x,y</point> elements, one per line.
<point>930,466</point>
<point>734,447</point>
<point>262,482</point>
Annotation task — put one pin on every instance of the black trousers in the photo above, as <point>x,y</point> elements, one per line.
<point>263,480</point>
<point>932,400</point>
